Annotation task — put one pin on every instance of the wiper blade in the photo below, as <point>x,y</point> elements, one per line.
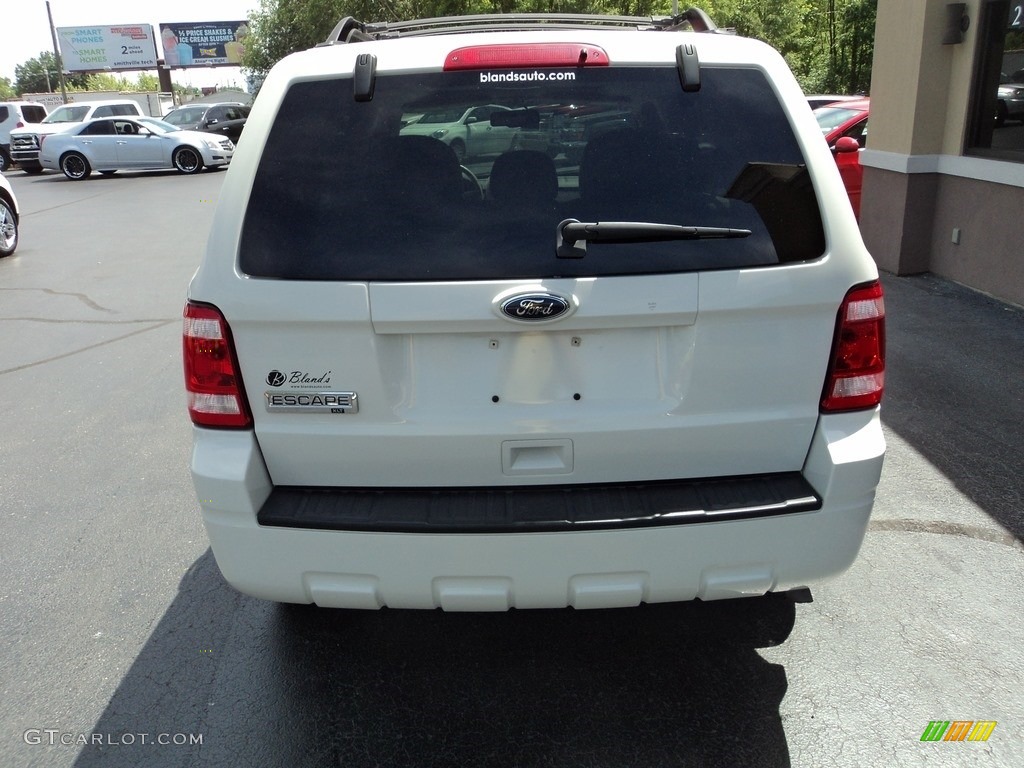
<point>571,231</point>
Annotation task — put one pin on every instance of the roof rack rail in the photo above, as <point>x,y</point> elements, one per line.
<point>350,30</point>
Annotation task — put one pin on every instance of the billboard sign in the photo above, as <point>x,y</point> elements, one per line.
<point>202,44</point>
<point>92,49</point>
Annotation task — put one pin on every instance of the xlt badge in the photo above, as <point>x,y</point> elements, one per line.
<point>534,307</point>
<point>312,402</point>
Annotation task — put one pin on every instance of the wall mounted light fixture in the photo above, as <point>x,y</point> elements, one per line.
<point>957,22</point>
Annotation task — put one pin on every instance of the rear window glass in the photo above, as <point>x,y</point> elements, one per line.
<point>465,176</point>
<point>830,118</point>
<point>182,116</point>
<point>98,128</point>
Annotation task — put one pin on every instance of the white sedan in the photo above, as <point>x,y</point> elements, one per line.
<point>139,143</point>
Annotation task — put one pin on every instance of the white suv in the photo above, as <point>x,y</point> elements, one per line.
<point>16,114</point>
<point>649,375</point>
<point>25,142</point>
<point>470,132</point>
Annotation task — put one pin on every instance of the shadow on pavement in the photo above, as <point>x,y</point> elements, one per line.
<point>955,388</point>
<point>268,685</point>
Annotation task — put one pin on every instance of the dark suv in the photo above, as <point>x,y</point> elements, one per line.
<point>227,119</point>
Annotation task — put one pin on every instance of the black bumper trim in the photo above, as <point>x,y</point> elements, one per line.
<point>535,509</point>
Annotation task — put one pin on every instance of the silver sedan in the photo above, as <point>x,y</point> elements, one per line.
<point>111,144</point>
<point>1010,102</point>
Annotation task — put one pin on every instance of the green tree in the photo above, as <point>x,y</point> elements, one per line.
<point>856,46</point>
<point>7,92</point>
<point>146,82</point>
<point>40,75</point>
<point>105,82</point>
<point>184,93</point>
<point>827,43</point>
<point>837,53</point>
<point>280,27</point>
<point>781,24</point>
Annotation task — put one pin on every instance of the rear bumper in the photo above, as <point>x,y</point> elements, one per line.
<point>538,509</point>
<point>707,559</point>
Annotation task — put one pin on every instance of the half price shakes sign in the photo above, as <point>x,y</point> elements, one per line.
<point>212,43</point>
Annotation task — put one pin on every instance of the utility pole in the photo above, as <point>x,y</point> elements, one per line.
<point>56,55</point>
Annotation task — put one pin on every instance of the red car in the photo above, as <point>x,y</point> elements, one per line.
<point>844,125</point>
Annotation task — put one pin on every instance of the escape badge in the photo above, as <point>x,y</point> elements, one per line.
<point>312,402</point>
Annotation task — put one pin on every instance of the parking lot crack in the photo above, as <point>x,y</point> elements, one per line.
<point>76,201</point>
<point>126,321</point>
<point>123,336</point>
<point>948,529</point>
<point>80,296</point>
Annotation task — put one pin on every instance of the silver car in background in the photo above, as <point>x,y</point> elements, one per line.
<point>1010,100</point>
<point>108,145</point>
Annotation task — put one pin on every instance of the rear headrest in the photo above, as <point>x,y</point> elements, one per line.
<point>524,177</point>
<point>423,167</point>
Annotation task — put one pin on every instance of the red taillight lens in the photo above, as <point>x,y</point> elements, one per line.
<point>19,124</point>
<point>212,378</point>
<point>856,375</point>
<point>514,56</point>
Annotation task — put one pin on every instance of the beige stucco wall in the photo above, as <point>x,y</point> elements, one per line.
<point>920,93</point>
<point>896,219</point>
<point>916,88</point>
<point>908,219</point>
<point>958,85</point>
<point>990,256</point>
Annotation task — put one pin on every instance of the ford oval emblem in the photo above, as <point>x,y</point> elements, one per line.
<point>534,307</point>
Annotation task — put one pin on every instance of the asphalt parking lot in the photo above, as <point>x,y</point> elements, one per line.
<point>125,648</point>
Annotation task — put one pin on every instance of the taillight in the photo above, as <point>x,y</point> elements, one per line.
<point>19,124</point>
<point>515,56</point>
<point>856,374</point>
<point>212,378</point>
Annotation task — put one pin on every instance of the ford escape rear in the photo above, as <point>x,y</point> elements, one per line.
<point>646,369</point>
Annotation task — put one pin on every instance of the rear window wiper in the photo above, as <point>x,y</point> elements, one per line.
<point>571,232</point>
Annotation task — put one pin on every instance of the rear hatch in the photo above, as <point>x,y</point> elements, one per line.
<point>404,320</point>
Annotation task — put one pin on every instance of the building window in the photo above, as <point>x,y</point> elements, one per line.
<point>997,103</point>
